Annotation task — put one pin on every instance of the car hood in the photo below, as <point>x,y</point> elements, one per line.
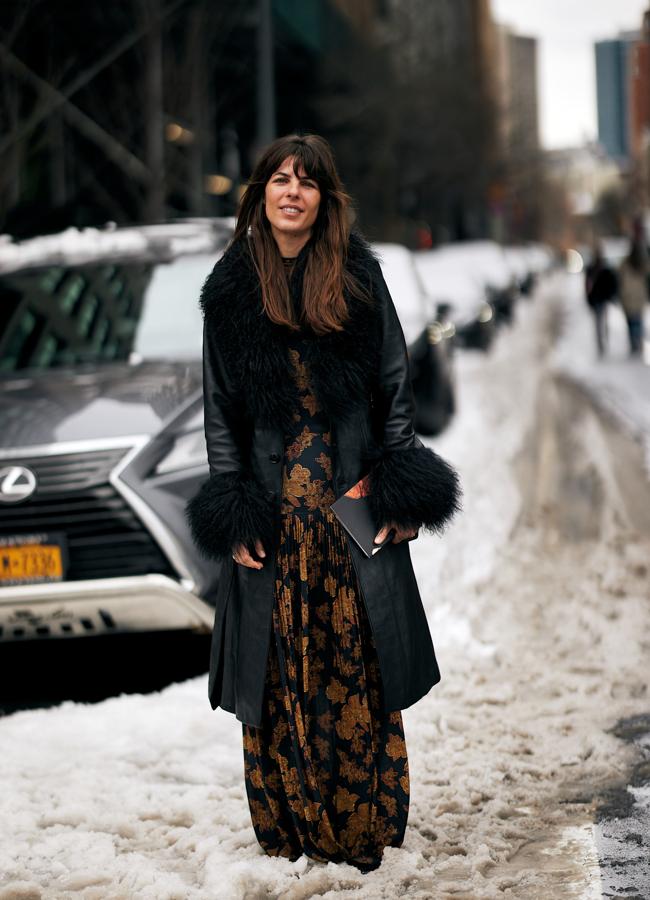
<point>103,402</point>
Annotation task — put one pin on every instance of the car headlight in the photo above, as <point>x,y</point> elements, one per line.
<point>485,313</point>
<point>440,331</point>
<point>187,451</point>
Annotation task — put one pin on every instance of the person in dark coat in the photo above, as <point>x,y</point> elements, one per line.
<point>600,289</point>
<point>316,647</point>
<point>633,293</point>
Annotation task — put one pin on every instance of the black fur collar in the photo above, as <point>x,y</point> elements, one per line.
<point>255,350</point>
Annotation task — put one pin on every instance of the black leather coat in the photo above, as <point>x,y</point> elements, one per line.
<point>361,379</point>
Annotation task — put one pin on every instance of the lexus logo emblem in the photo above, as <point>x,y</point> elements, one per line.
<point>16,483</point>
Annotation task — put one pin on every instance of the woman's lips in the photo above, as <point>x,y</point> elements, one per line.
<point>292,215</point>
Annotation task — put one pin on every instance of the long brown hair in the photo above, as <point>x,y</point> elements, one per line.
<point>324,307</point>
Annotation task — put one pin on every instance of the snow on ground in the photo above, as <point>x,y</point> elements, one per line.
<point>495,411</point>
<point>619,383</point>
<point>538,607</point>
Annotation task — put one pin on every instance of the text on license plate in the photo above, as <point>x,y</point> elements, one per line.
<point>30,561</point>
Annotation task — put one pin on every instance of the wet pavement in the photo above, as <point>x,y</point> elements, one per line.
<point>622,830</point>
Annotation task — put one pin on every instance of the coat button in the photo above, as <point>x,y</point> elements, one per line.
<point>275,457</point>
<point>271,495</point>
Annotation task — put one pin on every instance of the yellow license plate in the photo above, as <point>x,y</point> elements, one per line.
<point>31,562</point>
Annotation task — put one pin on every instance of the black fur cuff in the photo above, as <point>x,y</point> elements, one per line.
<point>228,509</point>
<point>414,488</point>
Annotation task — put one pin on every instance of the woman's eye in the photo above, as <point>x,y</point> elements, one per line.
<point>281,180</point>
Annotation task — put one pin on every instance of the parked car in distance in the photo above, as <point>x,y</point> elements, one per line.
<point>480,280</point>
<point>102,438</point>
<point>528,262</point>
<point>448,278</point>
<point>429,339</point>
<point>519,263</point>
<point>489,260</point>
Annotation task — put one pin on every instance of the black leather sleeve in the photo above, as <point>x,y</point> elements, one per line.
<point>411,485</point>
<point>394,393</point>
<point>231,507</point>
<point>220,411</point>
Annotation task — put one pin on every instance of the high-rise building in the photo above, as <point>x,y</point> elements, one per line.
<point>517,79</point>
<point>613,67</point>
<point>514,192</point>
<point>639,84</point>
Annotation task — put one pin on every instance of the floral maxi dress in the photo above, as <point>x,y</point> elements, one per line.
<point>326,772</point>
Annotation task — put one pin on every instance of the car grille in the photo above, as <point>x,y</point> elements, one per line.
<point>74,495</point>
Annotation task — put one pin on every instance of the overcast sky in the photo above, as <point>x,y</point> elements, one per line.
<point>566,30</point>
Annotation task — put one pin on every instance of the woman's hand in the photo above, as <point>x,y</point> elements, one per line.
<point>401,534</point>
<point>243,557</point>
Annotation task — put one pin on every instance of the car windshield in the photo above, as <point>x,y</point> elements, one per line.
<point>170,324</point>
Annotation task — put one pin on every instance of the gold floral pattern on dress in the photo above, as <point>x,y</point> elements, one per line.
<point>323,460</point>
<point>327,771</point>
<point>310,403</point>
<point>317,496</point>
<point>303,440</point>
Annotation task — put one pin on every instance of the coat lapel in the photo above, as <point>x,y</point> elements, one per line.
<point>255,353</point>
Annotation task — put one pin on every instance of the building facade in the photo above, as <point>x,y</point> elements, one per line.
<point>639,87</point>
<point>613,66</point>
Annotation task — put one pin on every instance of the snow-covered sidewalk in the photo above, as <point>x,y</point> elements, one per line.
<point>540,638</point>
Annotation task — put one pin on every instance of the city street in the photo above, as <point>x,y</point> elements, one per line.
<point>520,759</point>
<point>260,257</point>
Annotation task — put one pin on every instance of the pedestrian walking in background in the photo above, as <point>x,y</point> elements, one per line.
<point>633,292</point>
<point>600,288</point>
<point>316,648</point>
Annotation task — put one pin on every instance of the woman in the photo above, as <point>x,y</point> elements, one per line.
<point>316,648</point>
<point>633,293</point>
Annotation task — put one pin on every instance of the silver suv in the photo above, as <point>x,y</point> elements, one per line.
<point>101,430</point>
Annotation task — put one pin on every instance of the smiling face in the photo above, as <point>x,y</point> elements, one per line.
<point>291,203</point>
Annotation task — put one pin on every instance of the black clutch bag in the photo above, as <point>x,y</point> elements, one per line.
<point>353,512</point>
